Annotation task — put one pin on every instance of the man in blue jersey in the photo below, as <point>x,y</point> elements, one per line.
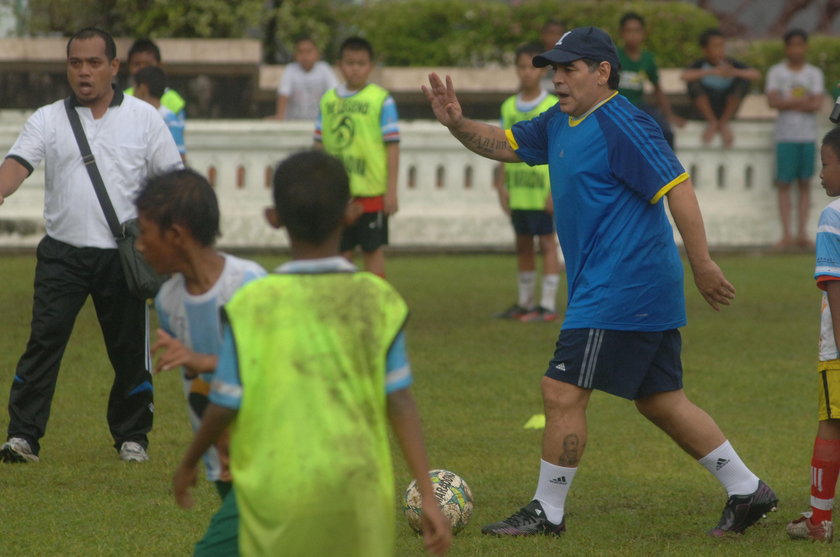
<point>609,169</point>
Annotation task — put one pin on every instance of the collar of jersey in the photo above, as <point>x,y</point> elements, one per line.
<point>335,264</point>
<point>575,121</point>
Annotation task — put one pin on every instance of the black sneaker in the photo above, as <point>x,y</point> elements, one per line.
<point>742,511</point>
<point>513,312</point>
<point>527,521</point>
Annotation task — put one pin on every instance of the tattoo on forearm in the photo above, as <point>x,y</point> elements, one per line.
<point>571,451</point>
<point>483,145</point>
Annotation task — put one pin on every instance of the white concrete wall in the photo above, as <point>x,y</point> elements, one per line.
<point>446,195</point>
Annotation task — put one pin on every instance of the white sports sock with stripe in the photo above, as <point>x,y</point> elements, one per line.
<point>552,488</point>
<point>725,465</point>
<point>549,292</point>
<point>527,282</point>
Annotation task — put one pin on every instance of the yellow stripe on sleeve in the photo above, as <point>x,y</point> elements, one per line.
<point>512,140</point>
<point>668,187</point>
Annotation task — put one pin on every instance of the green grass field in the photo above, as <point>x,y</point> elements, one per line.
<point>752,367</point>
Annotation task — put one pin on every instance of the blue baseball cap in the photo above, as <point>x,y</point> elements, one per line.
<point>581,42</point>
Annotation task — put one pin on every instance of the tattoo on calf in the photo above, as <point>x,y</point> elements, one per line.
<point>571,451</point>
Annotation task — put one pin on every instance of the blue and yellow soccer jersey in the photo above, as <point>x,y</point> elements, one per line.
<point>609,170</point>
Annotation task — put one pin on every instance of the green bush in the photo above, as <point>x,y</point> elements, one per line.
<point>475,33</point>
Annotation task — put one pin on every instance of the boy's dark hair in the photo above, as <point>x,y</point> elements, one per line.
<point>796,33</point>
<point>144,45</point>
<point>615,72</point>
<point>311,193</point>
<point>707,35</point>
<point>528,48</point>
<point>182,197</point>
<point>630,16</point>
<point>92,32</point>
<point>302,39</point>
<point>832,141</point>
<point>154,78</point>
<point>553,22</point>
<point>356,43</point>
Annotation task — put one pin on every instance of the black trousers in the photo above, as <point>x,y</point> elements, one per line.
<point>64,277</point>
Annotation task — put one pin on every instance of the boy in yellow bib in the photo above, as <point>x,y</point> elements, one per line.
<point>312,367</point>
<point>358,123</point>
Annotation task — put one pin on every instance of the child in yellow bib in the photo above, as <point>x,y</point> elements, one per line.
<point>525,195</point>
<point>312,367</point>
<point>358,123</point>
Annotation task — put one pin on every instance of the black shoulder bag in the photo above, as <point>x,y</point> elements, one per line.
<point>142,280</point>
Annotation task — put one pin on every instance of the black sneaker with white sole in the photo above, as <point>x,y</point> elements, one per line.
<point>530,520</point>
<point>742,511</point>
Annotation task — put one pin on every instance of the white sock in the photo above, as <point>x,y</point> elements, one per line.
<point>552,489</point>
<point>549,292</point>
<point>527,282</point>
<point>725,465</point>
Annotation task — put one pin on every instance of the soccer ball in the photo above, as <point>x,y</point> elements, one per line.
<point>453,495</point>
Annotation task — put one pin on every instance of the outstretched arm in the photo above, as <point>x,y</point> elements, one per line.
<point>405,421</point>
<point>480,138</point>
<point>708,277</point>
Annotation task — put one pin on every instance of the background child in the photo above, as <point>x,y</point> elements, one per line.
<point>525,195</point>
<point>796,89</point>
<point>313,361</point>
<point>144,53</point>
<point>825,459</point>
<point>179,222</point>
<point>717,84</point>
<point>303,83</point>
<point>639,65</point>
<point>150,86</point>
<point>358,123</point>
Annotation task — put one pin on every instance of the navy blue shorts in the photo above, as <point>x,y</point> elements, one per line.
<point>370,232</point>
<point>629,364</point>
<point>531,223</point>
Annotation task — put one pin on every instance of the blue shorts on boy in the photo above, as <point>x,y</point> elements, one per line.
<point>531,222</point>
<point>794,161</point>
<point>308,377</point>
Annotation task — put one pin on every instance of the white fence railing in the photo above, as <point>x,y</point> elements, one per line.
<point>445,192</point>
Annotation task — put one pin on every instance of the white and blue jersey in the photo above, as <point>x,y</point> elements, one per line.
<point>609,169</point>
<point>827,269</point>
<point>175,123</point>
<point>227,388</point>
<point>195,321</point>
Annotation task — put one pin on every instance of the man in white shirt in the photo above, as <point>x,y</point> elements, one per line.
<point>78,255</point>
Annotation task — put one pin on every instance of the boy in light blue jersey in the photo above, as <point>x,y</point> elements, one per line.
<point>150,85</point>
<point>179,222</point>
<point>313,368</point>
<point>610,167</point>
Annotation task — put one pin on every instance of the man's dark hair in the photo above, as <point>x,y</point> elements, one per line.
<point>707,35</point>
<point>356,43</point>
<point>311,193</point>
<point>832,141</point>
<point>631,16</point>
<point>144,45</point>
<point>615,72</point>
<point>796,33</point>
<point>93,32</point>
<point>182,197</point>
<point>528,48</point>
<point>154,78</point>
